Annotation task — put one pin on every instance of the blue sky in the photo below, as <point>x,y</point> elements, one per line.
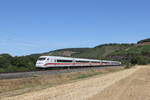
<point>35,26</point>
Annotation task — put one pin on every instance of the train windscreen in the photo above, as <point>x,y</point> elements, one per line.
<point>40,59</point>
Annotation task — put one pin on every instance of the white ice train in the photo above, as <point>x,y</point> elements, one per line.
<point>56,61</point>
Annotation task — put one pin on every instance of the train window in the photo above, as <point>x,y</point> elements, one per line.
<point>64,61</point>
<point>83,61</point>
<point>94,62</point>
<point>105,62</point>
<point>41,58</point>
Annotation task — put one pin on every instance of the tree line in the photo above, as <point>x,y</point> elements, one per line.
<point>18,63</point>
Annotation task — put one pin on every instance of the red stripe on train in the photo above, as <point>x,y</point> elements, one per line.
<point>71,63</point>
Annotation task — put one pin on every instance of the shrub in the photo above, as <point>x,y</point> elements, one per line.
<point>141,60</point>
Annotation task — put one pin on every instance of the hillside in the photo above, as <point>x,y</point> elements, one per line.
<point>127,53</point>
<point>97,52</point>
<point>144,41</point>
<point>67,52</point>
<point>137,54</point>
<point>102,51</point>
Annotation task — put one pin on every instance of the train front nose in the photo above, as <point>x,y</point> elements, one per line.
<point>39,64</point>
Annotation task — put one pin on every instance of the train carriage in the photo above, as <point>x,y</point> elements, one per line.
<point>56,61</point>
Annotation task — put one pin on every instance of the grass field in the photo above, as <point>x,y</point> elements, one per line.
<point>11,87</point>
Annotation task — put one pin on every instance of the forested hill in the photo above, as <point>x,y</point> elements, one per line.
<point>127,53</point>
<point>144,41</point>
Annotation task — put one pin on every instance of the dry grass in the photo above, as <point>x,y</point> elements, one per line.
<point>135,87</point>
<point>11,87</point>
<point>77,90</point>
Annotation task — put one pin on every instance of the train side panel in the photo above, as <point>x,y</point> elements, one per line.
<point>55,61</point>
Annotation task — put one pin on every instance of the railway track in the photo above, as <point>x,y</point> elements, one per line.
<point>24,74</point>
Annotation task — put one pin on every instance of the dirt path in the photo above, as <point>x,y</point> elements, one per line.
<point>135,87</point>
<point>80,90</point>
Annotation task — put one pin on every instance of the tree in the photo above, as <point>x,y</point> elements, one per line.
<point>141,60</point>
<point>5,60</point>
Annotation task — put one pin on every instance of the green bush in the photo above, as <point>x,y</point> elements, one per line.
<point>140,60</point>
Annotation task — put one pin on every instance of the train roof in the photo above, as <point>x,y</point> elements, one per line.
<point>69,58</point>
<point>77,59</point>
